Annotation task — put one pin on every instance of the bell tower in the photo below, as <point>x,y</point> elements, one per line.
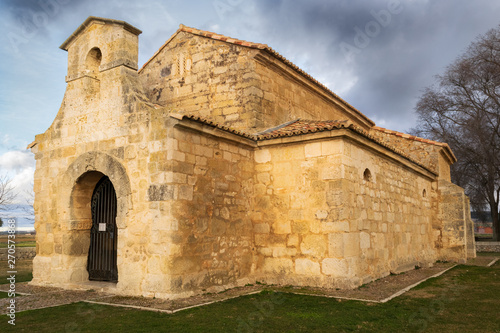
<point>100,52</point>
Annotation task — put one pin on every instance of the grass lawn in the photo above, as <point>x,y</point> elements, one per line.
<point>484,237</point>
<point>23,267</point>
<point>465,299</point>
<point>21,241</point>
<point>20,244</point>
<point>488,254</point>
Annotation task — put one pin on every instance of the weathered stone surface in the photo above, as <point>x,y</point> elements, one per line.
<point>161,192</point>
<point>307,267</point>
<point>335,267</point>
<point>278,265</point>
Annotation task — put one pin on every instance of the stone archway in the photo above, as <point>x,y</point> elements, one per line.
<point>109,166</point>
<point>79,181</point>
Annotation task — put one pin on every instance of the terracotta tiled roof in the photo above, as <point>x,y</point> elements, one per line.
<point>212,123</point>
<point>259,46</point>
<point>302,127</point>
<point>223,38</point>
<point>415,138</point>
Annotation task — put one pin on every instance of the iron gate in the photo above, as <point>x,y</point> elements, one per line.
<point>101,263</point>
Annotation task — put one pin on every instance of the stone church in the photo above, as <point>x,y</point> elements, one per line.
<point>220,163</point>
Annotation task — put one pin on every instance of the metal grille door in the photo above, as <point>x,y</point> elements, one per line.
<point>101,263</point>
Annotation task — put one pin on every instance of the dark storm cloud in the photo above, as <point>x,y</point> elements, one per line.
<point>399,62</point>
<point>383,78</point>
<point>25,21</point>
<point>38,13</point>
<point>399,55</point>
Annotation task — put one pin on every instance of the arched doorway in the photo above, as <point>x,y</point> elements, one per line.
<point>78,184</point>
<point>102,255</point>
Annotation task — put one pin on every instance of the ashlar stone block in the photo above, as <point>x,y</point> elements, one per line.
<point>335,267</point>
<point>314,245</point>
<point>278,265</point>
<point>312,149</point>
<point>351,244</point>
<point>336,245</point>
<point>364,240</point>
<point>307,267</point>
<point>262,156</point>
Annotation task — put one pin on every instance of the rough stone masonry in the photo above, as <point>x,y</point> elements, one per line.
<point>230,165</point>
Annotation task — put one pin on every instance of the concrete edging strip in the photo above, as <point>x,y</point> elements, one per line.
<point>337,297</point>
<point>129,306</point>
<point>402,291</point>
<point>170,311</point>
<point>493,262</point>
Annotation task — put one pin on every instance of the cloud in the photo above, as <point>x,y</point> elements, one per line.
<point>22,183</point>
<point>16,161</point>
<point>19,167</point>
<point>5,140</point>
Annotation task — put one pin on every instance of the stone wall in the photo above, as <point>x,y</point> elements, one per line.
<point>200,196</point>
<point>320,217</point>
<point>488,246</point>
<point>22,253</point>
<point>425,153</point>
<point>456,232</point>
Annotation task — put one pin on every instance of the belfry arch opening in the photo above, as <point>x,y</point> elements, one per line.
<point>93,60</point>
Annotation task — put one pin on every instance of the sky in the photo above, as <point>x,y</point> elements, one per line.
<point>377,55</point>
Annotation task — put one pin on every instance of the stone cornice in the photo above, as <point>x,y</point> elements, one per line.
<point>97,20</point>
<point>186,123</point>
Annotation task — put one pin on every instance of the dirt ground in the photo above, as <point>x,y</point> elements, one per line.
<point>376,291</point>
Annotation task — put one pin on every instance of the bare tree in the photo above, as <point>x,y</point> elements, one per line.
<point>463,109</point>
<point>7,194</point>
<point>28,208</point>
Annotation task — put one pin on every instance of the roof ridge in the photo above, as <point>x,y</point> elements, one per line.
<point>278,127</point>
<point>221,37</point>
<point>409,136</point>
<point>419,139</point>
<point>212,123</point>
